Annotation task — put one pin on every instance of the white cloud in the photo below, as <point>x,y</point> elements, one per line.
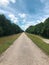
<point>13,18</point>
<point>6,2</point>
<point>27,24</point>
<point>13,1</point>
<point>24,27</point>
<point>23,15</point>
<point>43,19</point>
<point>38,21</point>
<point>2,11</point>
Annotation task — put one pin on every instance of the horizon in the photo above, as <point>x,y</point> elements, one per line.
<point>25,12</point>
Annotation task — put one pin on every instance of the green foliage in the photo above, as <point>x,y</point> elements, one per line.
<point>8,28</point>
<point>30,29</point>
<point>1,31</point>
<point>40,29</point>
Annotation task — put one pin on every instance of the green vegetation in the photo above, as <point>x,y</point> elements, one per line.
<point>5,42</point>
<point>39,42</point>
<point>7,27</point>
<point>40,29</point>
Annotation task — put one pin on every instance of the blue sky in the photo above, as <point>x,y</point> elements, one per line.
<point>25,12</point>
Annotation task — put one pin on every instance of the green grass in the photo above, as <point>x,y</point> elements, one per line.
<point>5,42</point>
<point>39,42</point>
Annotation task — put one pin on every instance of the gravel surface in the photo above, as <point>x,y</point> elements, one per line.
<point>24,52</point>
<point>46,40</point>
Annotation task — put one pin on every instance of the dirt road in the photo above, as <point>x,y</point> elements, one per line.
<point>24,52</point>
<point>46,40</point>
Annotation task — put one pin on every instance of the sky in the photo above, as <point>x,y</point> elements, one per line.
<point>25,12</point>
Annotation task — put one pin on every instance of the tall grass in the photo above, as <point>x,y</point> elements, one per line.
<point>5,42</point>
<point>39,42</point>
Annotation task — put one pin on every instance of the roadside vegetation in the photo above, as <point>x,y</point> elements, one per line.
<point>7,27</point>
<point>8,32</point>
<point>5,42</point>
<point>41,29</point>
<point>39,42</point>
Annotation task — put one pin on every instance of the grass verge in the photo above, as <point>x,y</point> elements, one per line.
<point>5,42</point>
<point>39,42</point>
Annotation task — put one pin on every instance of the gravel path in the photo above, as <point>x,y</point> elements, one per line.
<point>46,40</point>
<point>24,52</point>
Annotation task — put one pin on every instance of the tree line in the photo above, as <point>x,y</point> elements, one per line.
<point>8,28</point>
<point>40,29</point>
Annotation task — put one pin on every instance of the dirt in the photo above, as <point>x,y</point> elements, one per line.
<point>46,40</point>
<point>24,52</point>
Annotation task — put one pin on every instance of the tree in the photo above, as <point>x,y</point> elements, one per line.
<point>40,29</point>
<point>8,28</point>
<point>1,31</point>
